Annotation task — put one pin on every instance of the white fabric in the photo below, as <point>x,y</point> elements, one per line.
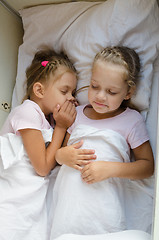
<point>81,29</point>
<point>109,206</point>
<point>124,235</point>
<point>23,210</point>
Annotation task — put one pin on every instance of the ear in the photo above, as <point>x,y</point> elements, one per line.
<point>130,93</point>
<point>38,89</point>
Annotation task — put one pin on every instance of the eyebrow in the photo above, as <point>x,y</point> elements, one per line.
<point>68,87</point>
<point>65,86</point>
<point>109,87</point>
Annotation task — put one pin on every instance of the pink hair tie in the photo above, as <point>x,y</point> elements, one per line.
<point>44,63</point>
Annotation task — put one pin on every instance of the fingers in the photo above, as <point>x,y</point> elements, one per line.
<point>77,167</point>
<point>78,144</point>
<point>64,115</point>
<point>84,171</point>
<point>64,106</point>
<point>84,162</point>
<point>87,177</point>
<point>83,155</point>
<point>76,102</point>
<point>68,107</point>
<point>87,157</point>
<point>90,181</point>
<point>56,109</point>
<point>84,152</point>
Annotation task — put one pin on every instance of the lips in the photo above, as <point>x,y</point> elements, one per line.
<point>100,104</point>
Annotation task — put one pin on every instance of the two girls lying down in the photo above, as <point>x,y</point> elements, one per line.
<point>93,194</point>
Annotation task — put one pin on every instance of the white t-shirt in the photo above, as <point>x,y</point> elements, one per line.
<point>26,115</point>
<point>129,124</point>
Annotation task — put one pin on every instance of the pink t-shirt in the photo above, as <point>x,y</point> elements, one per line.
<point>26,115</point>
<point>129,124</point>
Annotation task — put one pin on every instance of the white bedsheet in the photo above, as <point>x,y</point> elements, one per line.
<point>109,206</point>
<point>27,207</point>
<point>23,210</point>
<point>124,235</point>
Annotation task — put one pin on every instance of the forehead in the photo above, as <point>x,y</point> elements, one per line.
<point>108,73</point>
<point>66,78</point>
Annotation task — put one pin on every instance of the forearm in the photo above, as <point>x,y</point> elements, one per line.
<point>142,167</point>
<point>57,139</point>
<point>63,152</point>
<point>42,158</point>
<point>133,170</point>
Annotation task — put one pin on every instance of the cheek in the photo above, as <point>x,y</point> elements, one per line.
<point>119,100</point>
<point>57,98</point>
<point>114,100</point>
<point>61,99</point>
<point>89,94</point>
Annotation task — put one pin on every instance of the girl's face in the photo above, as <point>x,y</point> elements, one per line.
<point>108,87</point>
<point>58,91</point>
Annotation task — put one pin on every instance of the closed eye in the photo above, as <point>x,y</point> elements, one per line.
<point>64,92</point>
<point>111,93</point>
<point>94,86</point>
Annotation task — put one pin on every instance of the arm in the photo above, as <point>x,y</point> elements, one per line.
<point>42,159</point>
<point>142,167</point>
<point>72,156</point>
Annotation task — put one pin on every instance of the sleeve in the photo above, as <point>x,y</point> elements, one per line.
<point>26,118</point>
<point>70,129</point>
<point>138,134</point>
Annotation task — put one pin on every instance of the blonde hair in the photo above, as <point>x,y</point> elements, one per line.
<point>37,72</point>
<point>126,57</point>
<point>122,56</point>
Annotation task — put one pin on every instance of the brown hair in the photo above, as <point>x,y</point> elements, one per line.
<point>36,72</point>
<point>125,57</point>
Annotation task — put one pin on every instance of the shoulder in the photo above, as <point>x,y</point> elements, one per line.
<point>128,118</point>
<point>132,119</point>
<point>28,115</point>
<point>80,108</point>
<point>137,129</point>
<point>134,115</point>
<point>28,109</point>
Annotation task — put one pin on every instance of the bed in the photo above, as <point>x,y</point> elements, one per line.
<point>81,29</point>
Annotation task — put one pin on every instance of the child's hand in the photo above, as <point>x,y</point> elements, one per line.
<point>65,115</point>
<point>96,171</point>
<point>74,157</point>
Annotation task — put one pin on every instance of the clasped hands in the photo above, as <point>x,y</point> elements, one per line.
<point>82,160</point>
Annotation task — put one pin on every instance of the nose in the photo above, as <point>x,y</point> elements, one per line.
<point>70,97</point>
<point>101,95</point>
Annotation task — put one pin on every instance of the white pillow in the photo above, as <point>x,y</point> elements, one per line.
<point>81,29</point>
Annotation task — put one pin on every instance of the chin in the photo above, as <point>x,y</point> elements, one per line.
<point>100,110</point>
